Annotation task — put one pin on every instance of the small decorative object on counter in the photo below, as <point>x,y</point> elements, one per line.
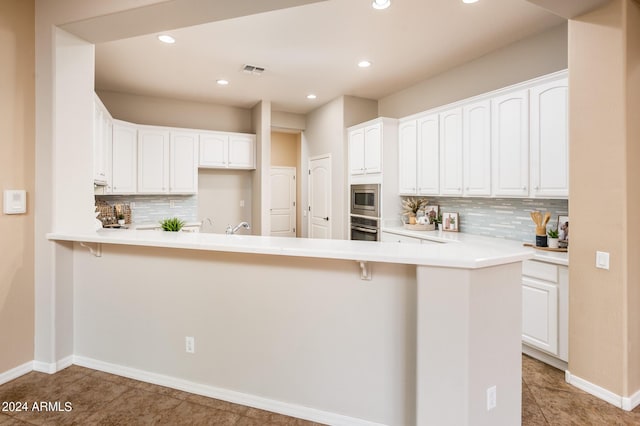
<point>541,227</point>
<point>450,222</point>
<point>552,239</point>
<point>410,207</point>
<point>563,229</point>
<point>121,219</point>
<point>173,224</point>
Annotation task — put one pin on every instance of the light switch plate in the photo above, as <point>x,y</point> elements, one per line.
<point>602,260</point>
<point>15,201</point>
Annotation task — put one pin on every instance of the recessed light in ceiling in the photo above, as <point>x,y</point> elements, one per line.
<point>311,96</point>
<point>364,64</point>
<point>222,82</point>
<point>166,38</point>
<point>381,4</point>
<point>469,1</point>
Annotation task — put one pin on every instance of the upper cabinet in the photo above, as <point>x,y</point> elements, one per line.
<point>365,150</point>
<point>508,143</point>
<point>549,139</point>
<point>124,154</point>
<point>102,134</point>
<point>153,160</point>
<point>183,158</point>
<point>227,151</point>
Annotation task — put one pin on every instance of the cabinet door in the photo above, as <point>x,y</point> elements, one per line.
<point>356,152</point>
<point>153,161</point>
<point>183,167</point>
<point>124,159</point>
<point>213,150</point>
<point>550,140</point>
<point>407,155</point>
<point>388,237</point>
<point>451,152</point>
<point>99,142</point>
<point>476,148</point>
<point>373,149</point>
<point>428,155</point>
<point>242,152</point>
<point>540,314</point>
<point>510,144</point>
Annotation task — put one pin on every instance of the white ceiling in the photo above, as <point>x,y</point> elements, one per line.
<point>315,49</point>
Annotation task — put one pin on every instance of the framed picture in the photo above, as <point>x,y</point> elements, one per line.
<point>450,222</point>
<point>432,213</point>
<point>563,228</point>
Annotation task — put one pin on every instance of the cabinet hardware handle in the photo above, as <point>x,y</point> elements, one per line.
<point>536,188</point>
<point>467,188</point>
<point>368,231</point>
<point>524,188</point>
<point>326,218</point>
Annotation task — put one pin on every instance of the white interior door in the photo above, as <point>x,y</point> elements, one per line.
<point>320,197</point>
<point>283,201</point>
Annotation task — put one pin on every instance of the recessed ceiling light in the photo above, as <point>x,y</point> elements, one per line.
<point>166,38</point>
<point>364,64</point>
<point>222,82</point>
<point>311,96</point>
<point>469,1</point>
<point>381,4</point>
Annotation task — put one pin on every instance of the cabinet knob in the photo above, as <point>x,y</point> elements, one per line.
<point>524,188</point>
<point>536,188</point>
<point>467,188</point>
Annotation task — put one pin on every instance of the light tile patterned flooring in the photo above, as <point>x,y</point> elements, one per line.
<point>104,399</point>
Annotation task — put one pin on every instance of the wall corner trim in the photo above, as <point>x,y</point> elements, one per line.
<point>626,403</point>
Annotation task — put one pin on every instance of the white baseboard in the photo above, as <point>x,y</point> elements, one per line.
<point>288,409</point>
<point>44,367</point>
<point>544,357</point>
<point>626,403</point>
<point>16,372</point>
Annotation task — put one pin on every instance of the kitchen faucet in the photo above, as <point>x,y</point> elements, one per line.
<point>231,231</point>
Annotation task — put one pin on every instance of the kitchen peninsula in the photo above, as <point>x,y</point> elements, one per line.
<point>338,332</point>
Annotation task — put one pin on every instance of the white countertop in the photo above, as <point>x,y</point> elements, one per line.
<point>558,258</point>
<point>469,254</point>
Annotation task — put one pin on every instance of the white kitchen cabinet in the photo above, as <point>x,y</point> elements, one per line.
<point>545,307</point>
<point>102,135</point>
<point>224,150</point>
<point>153,160</point>
<point>365,150</point>
<point>124,158</point>
<point>451,152</point>
<point>476,148</point>
<point>407,157</point>
<point>419,164</point>
<point>510,144</point>
<point>550,140</point>
<point>183,163</point>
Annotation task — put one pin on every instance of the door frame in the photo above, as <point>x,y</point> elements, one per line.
<point>330,206</point>
<point>295,194</point>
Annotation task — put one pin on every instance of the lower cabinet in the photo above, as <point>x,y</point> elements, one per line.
<point>545,307</point>
<point>388,237</point>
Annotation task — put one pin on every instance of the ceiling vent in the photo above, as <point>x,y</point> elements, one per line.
<point>252,69</point>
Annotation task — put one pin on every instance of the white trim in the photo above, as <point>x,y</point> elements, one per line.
<point>288,409</point>
<point>629,403</point>
<point>44,367</point>
<point>545,357</point>
<point>594,390</point>
<point>64,363</point>
<point>16,372</point>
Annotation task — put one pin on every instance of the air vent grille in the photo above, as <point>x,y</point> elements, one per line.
<point>252,69</point>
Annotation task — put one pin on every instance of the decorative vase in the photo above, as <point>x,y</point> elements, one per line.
<point>541,240</point>
<point>120,221</point>
<point>553,242</point>
<point>412,220</point>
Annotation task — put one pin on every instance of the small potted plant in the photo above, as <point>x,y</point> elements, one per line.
<point>172,224</point>
<point>121,219</point>
<point>552,241</point>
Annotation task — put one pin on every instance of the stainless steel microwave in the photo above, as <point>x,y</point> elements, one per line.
<point>365,200</point>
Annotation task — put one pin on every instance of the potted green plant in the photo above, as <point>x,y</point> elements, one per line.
<point>552,241</point>
<point>172,224</point>
<point>121,219</point>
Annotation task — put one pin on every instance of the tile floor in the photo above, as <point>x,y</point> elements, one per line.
<point>103,399</point>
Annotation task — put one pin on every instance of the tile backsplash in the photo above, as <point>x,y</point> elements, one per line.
<point>154,208</point>
<point>501,217</point>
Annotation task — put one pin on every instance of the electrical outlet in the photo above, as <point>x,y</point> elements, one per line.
<point>491,398</point>
<point>190,344</point>
<point>602,260</point>
<point>241,203</point>
<point>172,204</point>
<point>132,205</point>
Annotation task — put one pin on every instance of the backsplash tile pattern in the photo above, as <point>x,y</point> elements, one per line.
<point>501,217</point>
<point>154,208</point>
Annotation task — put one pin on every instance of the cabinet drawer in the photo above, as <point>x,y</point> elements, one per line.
<point>540,270</point>
<point>395,238</point>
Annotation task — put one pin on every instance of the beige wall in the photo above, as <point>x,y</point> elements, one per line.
<point>220,195</point>
<point>603,326</point>
<point>633,195</point>
<point>284,149</point>
<point>287,121</point>
<point>17,171</point>
<point>176,113</point>
<point>534,56</point>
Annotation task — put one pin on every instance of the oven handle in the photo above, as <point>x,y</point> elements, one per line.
<point>368,231</point>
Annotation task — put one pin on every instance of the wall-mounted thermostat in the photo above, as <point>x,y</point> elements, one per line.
<point>15,201</point>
